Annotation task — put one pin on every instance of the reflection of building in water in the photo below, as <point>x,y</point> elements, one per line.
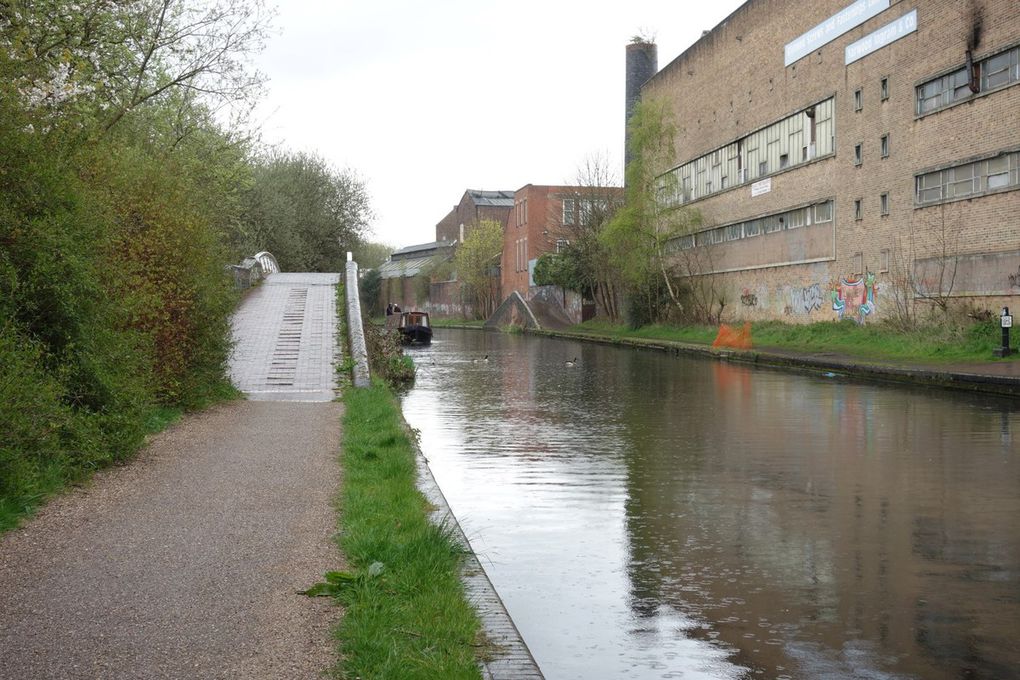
<point>883,535</point>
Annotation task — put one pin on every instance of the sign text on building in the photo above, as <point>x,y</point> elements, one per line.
<point>876,40</point>
<point>761,187</point>
<point>833,27</point>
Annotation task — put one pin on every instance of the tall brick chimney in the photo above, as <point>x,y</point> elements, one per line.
<point>642,64</point>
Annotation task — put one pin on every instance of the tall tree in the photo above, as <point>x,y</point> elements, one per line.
<point>477,266</point>
<point>641,237</point>
<point>304,211</point>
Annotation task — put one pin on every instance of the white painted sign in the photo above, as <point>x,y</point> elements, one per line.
<point>761,187</point>
<point>1007,321</point>
<point>876,40</point>
<point>833,27</point>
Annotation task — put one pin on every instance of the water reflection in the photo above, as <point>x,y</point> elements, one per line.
<point>648,516</point>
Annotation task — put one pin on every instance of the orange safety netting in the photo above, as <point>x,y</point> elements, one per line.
<point>732,337</point>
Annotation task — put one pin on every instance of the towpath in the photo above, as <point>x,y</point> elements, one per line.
<point>186,563</point>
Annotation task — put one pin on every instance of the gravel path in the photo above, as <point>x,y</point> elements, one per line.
<point>186,563</point>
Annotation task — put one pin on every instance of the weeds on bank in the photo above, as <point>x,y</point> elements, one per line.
<point>406,615</point>
<point>949,340</point>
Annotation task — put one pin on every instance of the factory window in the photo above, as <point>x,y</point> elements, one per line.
<point>883,202</point>
<point>823,212</point>
<point>885,146</point>
<point>561,244</point>
<point>969,179</point>
<point>883,260</point>
<point>770,224</point>
<point>858,208</point>
<point>1000,70</point>
<point>568,211</point>
<point>798,138</point>
<point>943,91</point>
<point>998,172</point>
<point>858,99</point>
<point>884,88</point>
<point>795,218</point>
<point>858,153</point>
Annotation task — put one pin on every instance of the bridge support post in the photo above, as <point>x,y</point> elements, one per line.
<point>355,330</point>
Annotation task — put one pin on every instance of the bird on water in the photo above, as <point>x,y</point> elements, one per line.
<point>571,363</point>
<point>483,360</point>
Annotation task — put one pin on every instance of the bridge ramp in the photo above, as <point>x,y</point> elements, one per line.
<point>285,345</point>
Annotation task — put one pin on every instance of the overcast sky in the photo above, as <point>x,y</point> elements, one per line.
<point>426,99</point>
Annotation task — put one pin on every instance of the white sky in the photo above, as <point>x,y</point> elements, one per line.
<point>426,99</point>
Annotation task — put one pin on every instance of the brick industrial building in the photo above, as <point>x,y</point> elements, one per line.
<point>850,159</point>
<point>544,219</point>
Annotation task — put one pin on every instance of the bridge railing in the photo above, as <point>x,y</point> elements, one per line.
<point>253,269</point>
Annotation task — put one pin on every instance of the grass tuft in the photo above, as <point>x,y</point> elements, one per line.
<point>406,614</point>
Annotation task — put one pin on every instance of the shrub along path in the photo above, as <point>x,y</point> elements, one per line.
<point>187,563</point>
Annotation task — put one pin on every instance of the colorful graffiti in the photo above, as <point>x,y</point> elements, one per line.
<point>854,297</point>
<point>806,300</point>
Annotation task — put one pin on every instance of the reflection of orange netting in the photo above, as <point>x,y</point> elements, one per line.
<point>731,337</point>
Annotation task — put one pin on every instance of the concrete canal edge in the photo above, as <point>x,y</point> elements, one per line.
<point>990,382</point>
<point>509,658</point>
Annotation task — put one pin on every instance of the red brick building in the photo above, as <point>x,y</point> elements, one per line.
<point>474,206</point>
<point>543,220</point>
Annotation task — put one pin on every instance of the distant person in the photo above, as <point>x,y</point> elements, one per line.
<point>389,309</point>
<point>396,309</point>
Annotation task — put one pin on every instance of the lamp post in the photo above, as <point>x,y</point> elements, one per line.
<point>1006,322</point>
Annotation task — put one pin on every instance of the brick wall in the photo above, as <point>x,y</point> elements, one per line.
<point>733,81</point>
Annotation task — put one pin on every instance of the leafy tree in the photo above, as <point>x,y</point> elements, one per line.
<point>584,264</point>
<point>303,211</point>
<point>639,240</point>
<point>369,254</point>
<point>106,58</point>
<point>477,266</point>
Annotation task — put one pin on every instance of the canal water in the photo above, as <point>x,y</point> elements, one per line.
<point>645,515</point>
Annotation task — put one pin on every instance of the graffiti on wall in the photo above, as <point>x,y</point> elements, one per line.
<point>1014,279</point>
<point>854,297</point>
<point>748,299</point>
<point>806,300</point>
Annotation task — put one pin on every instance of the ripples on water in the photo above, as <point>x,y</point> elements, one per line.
<point>649,516</point>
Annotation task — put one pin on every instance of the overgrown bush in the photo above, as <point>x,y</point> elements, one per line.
<point>386,356</point>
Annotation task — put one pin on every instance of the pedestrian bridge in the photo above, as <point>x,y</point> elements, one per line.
<point>284,333</point>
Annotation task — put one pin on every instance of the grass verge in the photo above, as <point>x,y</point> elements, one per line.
<point>457,323</point>
<point>965,342</point>
<point>406,614</point>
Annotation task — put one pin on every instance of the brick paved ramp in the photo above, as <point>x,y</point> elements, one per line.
<point>285,339</point>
